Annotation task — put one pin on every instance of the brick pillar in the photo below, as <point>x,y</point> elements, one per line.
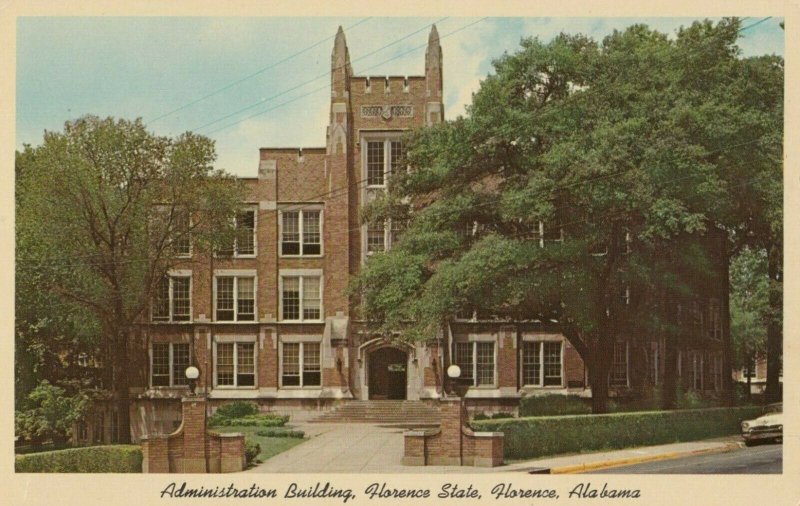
<point>155,454</point>
<point>452,410</point>
<point>232,457</point>
<point>194,435</point>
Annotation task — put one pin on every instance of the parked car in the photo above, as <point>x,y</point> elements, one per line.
<point>767,426</point>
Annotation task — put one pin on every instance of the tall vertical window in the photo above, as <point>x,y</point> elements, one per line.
<point>376,167</point>
<point>541,363</point>
<point>245,232</point>
<point>619,366</point>
<point>182,239</point>
<point>235,364</point>
<point>301,232</point>
<point>376,238</point>
<point>477,362</point>
<point>235,298</point>
<point>168,363</point>
<point>301,298</point>
<point>172,301</point>
<point>300,365</point>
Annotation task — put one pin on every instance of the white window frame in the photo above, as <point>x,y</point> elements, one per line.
<point>191,242</point>
<point>540,343</point>
<point>235,247</point>
<point>235,342</point>
<point>171,365</point>
<point>386,137</point>
<point>301,359</point>
<point>236,274</point>
<point>301,274</point>
<point>300,211</point>
<point>474,346</point>
<point>171,275</point>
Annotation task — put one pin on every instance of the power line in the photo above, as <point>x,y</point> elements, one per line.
<point>320,76</point>
<point>250,76</point>
<point>326,86</point>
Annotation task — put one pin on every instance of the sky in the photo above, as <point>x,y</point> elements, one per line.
<point>263,82</point>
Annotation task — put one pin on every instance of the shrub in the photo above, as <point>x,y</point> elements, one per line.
<point>267,420</point>
<point>553,405</point>
<point>537,436</point>
<point>236,409</point>
<point>480,416</point>
<point>251,451</point>
<point>51,413</point>
<point>276,432</point>
<point>91,459</point>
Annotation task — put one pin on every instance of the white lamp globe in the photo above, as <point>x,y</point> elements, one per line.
<point>192,372</point>
<point>453,371</point>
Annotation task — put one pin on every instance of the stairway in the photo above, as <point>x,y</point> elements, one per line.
<point>396,413</point>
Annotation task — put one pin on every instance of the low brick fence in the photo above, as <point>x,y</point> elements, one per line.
<point>191,448</point>
<point>452,444</point>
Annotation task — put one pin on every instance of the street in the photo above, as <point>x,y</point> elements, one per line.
<point>765,458</point>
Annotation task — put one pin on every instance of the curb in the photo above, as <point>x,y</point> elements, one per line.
<point>579,468</point>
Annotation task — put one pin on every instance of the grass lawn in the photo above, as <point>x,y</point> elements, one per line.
<point>270,446</point>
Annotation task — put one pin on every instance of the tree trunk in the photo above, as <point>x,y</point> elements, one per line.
<point>670,383</point>
<point>599,367</point>
<point>725,317</point>
<point>749,380</point>
<point>121,385</point>
<point>774,332</point>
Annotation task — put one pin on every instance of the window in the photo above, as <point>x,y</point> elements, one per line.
<point>619,366</point>
<point>376,238</point>
<point>172,301</point>
<point>541,363</point>
<point>714,319</point>
<point>696,363</point>
<point>235,364</point>
<point>301,232</point>
<point>655,361</point>
<point>476,360</point>
<point>235,299</point>
<point>98,428</point>
<point>301,298</point>
<point>168,364</point>
<point>378,165</point>
<point>182,241</point>
<point>300,365</point>
<point>244,241</point>
<point>717,371</point>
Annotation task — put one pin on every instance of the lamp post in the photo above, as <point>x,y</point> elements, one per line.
<point>453,372</point>
<point>192,373</point>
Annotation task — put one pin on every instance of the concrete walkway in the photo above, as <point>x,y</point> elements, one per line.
<point>366,448</point>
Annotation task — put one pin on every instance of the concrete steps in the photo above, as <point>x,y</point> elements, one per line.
<point>400,413</point>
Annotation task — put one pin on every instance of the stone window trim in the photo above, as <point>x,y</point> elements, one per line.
<point>301,274</point>
<point>235,341</point>
<point>171,317</point>
<point>171,363</point>
<point>236,274</point>
<point>303,343</point>
<point>473,343</point>
<point>387,137</point>
<point>301,209</point>
<point>541,342</point>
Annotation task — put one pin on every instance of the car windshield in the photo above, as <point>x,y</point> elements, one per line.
<point>773,408</point>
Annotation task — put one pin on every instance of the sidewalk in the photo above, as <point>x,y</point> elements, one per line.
<point>366,448</point>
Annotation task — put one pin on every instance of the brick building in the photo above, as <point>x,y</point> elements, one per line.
<point>271,322</point>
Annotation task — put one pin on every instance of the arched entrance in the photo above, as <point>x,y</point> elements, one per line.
<point>388,374</point>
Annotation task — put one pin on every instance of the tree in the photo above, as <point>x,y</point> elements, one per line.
<point>50,413</point>
<point>601,152</point>
<point>750,312</point>
<point>101,207</point>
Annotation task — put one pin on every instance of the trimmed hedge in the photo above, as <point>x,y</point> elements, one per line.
<point>90,459</point>
<point>249,421</point>
<point>236,409</point>
<point>549,435</point>
<point>281,432</point>
<point>251,451</point>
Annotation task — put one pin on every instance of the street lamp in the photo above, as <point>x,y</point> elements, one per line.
<point>192,373</point>
<point>453,372</point>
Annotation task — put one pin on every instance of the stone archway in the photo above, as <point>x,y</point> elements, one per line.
<point>387,372</point>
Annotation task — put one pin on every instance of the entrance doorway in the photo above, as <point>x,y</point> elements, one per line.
<point>387,373</point>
